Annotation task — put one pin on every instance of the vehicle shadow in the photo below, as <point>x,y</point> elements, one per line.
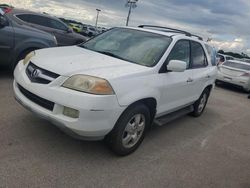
<point>5,72</point>
<point>173,134</point>
<point>230,87</point>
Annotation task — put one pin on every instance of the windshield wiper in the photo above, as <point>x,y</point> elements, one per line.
<point>111,54</point>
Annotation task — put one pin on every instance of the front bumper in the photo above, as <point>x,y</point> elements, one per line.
<point>238,81</point>
<point>97,114</point>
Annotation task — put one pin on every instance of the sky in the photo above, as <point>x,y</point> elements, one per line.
<point>225,21</point>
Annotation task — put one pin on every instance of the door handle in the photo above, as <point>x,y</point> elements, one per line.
<point>190,80</point>
<point>208,76</point>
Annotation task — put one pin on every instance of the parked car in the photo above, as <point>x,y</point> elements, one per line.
<point>89,30</point>
<point>64,34</point>
<point>223,58</point>
<point>116,84</point>
<point>235,73</point>
<point>17,40</point>
<point>76,27</point>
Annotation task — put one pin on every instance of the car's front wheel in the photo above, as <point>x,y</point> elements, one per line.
<point>129,130</point>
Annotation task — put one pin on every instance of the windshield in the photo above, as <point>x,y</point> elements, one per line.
<point>237,65</point>
<point>143,48</point>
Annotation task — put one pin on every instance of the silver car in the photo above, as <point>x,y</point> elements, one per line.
<point>236,73</point>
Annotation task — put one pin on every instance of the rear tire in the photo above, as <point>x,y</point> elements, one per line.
<point>129,130</point>
<point>201,103</point>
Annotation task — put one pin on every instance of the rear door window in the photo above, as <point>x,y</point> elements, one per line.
<point>23,17</point>
<point>198,57</point>
<point>39,20</point>
<point>56,24</point>
<point>212,54</point>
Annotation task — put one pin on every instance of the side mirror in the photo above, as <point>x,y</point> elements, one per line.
<point>69,30</point>
<point>177,66</point>
<point>3,21</point>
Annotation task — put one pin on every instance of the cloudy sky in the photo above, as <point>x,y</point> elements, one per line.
<point>225,21</point>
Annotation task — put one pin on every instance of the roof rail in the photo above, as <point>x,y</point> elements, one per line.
<point>171,29</point>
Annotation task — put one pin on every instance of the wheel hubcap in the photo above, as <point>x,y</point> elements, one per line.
<point>133,130</point>
<point>202,102</point>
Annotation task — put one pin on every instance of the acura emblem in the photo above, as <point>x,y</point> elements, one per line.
<point>35,73</point>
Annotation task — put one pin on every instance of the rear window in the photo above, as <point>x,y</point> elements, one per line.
<point>212,53</point>
<point>237,65</point>
<point>229,58</point>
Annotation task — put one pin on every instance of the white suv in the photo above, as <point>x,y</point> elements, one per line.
<point>117,84</point>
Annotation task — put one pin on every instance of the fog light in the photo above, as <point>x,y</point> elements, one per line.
<point>70,112</point>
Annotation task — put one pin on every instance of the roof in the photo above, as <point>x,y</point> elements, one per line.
<point>24,11</point>
<point>166,33</point>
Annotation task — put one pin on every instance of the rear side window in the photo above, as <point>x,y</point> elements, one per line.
<point>229,58</point>
<point>23,17</point>
<point>56,25</point>
<point>39,20</point>
<point>198,55</point>
<point>237,65</point>
<point>181,51</point>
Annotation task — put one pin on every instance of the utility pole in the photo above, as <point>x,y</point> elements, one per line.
<point>98,10</point>
<point>131,4</point>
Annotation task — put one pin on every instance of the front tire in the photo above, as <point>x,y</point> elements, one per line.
<point>129,130</point>
<point>201,103</point>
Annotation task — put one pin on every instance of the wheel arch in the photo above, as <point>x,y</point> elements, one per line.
<point>150,103</point>
<point>209,87</point>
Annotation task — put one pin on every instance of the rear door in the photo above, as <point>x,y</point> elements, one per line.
<point>201,71</point>
<point>61,31</point>
<point>6,42</point>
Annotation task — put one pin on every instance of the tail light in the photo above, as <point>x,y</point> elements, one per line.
<point>247,74</point>
<point>7,10</point>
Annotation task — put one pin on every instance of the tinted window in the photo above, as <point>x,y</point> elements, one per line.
<point>198,55</point>
<point>39,20</point>
<point>229,58</point>
<point>56,25</point>
<point>23,17</point>
<point>139,47</point>
<point>237,65</point>
<point>181,51</point>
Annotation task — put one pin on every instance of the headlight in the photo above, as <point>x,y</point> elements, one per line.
<point>89,84</point>
<point>28,57</point>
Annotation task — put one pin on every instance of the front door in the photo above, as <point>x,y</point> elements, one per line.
<point>175,89</point>
<point>6,42</point>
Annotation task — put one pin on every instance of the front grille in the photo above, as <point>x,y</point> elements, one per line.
<point>36,99</point>
<point>40,75</point>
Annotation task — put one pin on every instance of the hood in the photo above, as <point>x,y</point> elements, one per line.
<point>79,36</point>
<point>68,61</point>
